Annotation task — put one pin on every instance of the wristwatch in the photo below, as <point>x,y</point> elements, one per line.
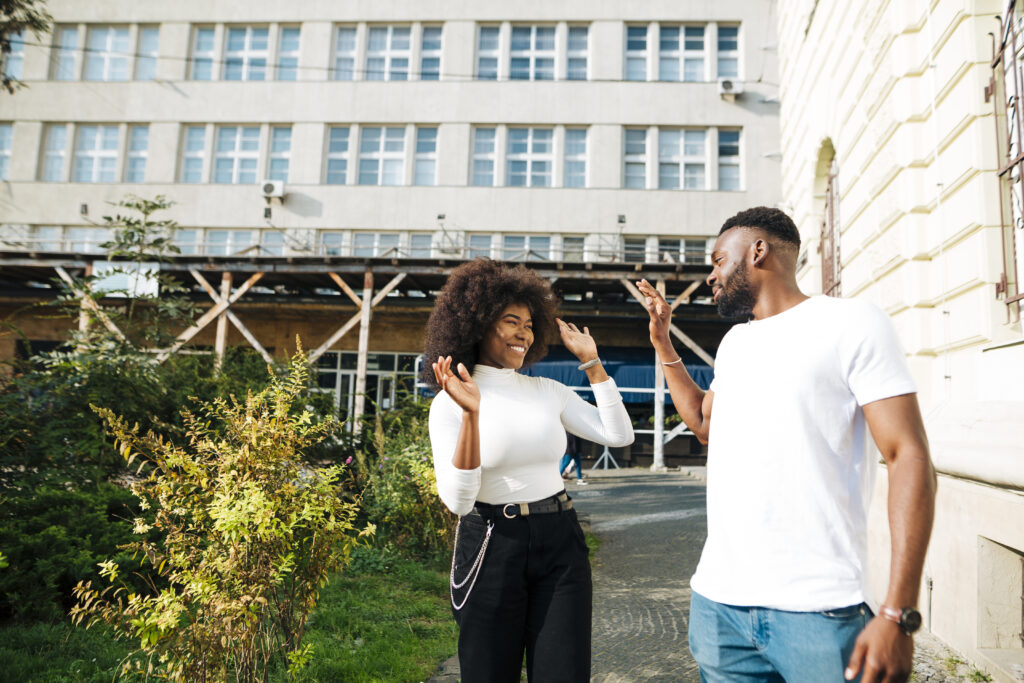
<point>908,618</point>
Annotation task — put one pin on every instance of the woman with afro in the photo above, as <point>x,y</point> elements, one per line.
<point>520,576</point>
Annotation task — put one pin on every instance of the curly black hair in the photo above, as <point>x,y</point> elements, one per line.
<point>474,296</point>
<point>772,221</point>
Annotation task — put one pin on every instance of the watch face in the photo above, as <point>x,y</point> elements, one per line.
<point>910,621</point>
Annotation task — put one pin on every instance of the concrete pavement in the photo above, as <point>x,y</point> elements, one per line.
<point>652,528</point>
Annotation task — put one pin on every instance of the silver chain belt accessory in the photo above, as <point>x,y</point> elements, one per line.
<point>474,569</point>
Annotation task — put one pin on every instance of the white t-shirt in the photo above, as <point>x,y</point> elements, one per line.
<point>790,467</point>
<point>523,421</point>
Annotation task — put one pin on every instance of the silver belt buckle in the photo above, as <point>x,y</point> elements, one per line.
<point>504,510</point>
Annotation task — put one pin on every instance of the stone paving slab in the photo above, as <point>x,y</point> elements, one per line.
<point>652,528</point>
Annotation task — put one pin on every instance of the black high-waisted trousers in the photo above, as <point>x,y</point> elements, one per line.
<point>533,594</point>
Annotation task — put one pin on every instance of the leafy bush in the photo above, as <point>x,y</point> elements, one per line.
<point>53,538</point>
<point>399,488</point>
<point>247,537</point>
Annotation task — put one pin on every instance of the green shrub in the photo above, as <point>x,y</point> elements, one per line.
<point>247,537</point>
<point>399,490</point>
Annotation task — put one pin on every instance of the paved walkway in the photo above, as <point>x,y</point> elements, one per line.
<point>652,528</point>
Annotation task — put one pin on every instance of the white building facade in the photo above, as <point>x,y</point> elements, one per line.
<point>900,166</point>
<point>536,130</point>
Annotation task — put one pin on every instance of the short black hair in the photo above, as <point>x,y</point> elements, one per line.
<point>472,299</point>
<point>773,221</point>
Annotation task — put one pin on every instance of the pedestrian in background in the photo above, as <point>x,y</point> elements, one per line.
<point>779,591</point>
<point>520,578</point>
<point>573,458</point>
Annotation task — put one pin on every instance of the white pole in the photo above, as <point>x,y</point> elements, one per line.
<point>659,406</point>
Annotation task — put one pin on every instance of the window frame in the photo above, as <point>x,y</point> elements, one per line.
<point>490,157</point>
<point>349,54</point>
<point>14,61</point>
<point>187,154</point>
<point>132,154</point>
<point>425,157</point>
<point>147,57</point>
<point>248,57</point>
<point>336,156</point>
<point>277,155</point>
<point>643,159</point>
<point>728,54</point>
<point>66,64</point>
<point>238,155</point>
<point>431,74</point>
<point>636,55</point>
<point>580,157</point>
<point>98,153</point>
<point>206,58</point>
<point>531,157</point>
<point>292,54</point>
<point>490,53</point>
<point>381,155</point>
<point>389,54</point>
<point>6,144</point>
<point>533,54</point>
<point>578,54</point>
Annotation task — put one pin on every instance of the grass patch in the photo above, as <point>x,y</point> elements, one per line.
<point>390,620</point>
<point>593,543</point>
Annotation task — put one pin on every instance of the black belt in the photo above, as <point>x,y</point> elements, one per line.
<point>560,502</point>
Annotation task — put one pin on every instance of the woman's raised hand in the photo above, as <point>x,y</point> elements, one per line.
<point>580,344</point>
<point>658,309</point>
<point>461,387</point>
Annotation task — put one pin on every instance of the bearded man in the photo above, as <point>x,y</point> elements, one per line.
<point>779,592</point>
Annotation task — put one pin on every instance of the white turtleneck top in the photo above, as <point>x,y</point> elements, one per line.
<point>523,421</point>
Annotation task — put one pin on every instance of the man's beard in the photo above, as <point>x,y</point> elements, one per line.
<point>737,298</point>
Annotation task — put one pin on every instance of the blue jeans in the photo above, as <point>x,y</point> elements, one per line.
<point>761,644</point>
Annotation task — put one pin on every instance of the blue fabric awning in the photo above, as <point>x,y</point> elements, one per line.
<point>629,367</point>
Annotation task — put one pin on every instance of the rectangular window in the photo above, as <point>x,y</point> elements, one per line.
<point>479,246</point>
<point>636,53</point>
<point>420,245</point>
<point>280,152</point>
<point>138,150</point>
<point>425,169</point>
<point>236,154</point>
<point>374,244</point>
<point>107,55</point>
<point>194,151</point>
<point>728,51</point>
<point>246,54</point>
<point>337,155</point>
<point>669,159</point>
<point>572,249</point>
<point>430,54</point>
<point>634,249</point>
<point>532,53</point>
<point>66,68</point>
<point>575,157</point>
<point>330,243</point>
<point>288,54</point>
<point>529,157</point>
<point>697,251</point>
<point>202,55</point>
<point>728,160</point>
<point>382,156</point>
<point>187,241</point>
<point>526,248</point>
<point>226,242</point>
<point>694,160</point>
<point>635,176</point>
<point>149,50</point>
<point>54,152</point>
<point>693,53</point>
<point>14,59</point>
<point>483,157</point>
<point>345,54</point>
<point>387,54</point>
<point>669,54</point>
<point>577,54</point>
<point>86,240</point>
<point>95,154</point>
<point>6,137</point>
<point>487,54</point>
<point>272,243</point>
<point>47,238</point>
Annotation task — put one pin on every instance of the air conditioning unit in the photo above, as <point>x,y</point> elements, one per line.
<point>730,87</point>
<point>272,188</point>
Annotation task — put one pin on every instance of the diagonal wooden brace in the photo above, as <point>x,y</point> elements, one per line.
<point>209,316</point>
<point>354,320</point>
<point>90,304</point>
<point>217,298</point>
<point>682,336</point>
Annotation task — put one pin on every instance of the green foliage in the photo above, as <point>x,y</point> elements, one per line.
<point>53,538</point>
<point>399,488</point>
<point>247,537</point>
<point>20,16</point>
